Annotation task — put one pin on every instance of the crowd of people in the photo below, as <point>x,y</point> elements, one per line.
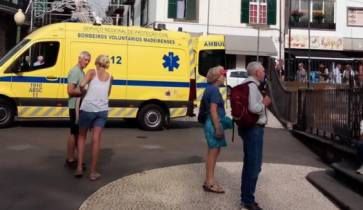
<point>340,74</point>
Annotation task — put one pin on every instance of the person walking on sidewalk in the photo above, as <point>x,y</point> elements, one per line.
<point>214,125</point>
<point>360,149</point>
<point>75,76</point>
<point>94,111</point>
<point>252,137</point>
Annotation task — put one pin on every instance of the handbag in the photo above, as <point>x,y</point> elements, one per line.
<point>226,122</point>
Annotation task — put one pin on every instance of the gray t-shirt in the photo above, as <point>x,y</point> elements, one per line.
<point>75,76</point>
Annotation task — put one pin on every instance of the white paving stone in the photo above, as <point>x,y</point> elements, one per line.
<point>280,187</point>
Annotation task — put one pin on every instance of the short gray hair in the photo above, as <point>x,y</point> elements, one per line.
<point>214,73</point>
<point>252,67</point>
<point>84,54</point>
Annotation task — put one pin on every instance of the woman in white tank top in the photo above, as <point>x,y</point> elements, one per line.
<point>94,110</point>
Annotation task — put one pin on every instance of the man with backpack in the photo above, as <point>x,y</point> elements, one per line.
<point>249,113</point>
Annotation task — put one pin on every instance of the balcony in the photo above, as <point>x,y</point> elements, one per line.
<point>313,25</point>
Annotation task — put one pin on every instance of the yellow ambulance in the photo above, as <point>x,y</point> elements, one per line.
<point>154,75</point>
<point>209,52</point>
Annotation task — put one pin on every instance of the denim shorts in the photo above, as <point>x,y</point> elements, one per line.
<point>92,119</point>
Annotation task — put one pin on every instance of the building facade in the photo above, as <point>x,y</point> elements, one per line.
<point>336,33</point>
<point>241,21</point>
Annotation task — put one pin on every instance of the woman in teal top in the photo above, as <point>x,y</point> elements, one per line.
<point>214,125</point>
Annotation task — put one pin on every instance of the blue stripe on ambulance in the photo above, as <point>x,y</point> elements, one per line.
<point>114,82</point>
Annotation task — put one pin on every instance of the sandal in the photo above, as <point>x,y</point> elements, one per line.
<point>78,174</point>
<point>94,176</point>
<point>214,188</point>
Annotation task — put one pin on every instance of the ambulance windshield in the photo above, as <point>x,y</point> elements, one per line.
<point>13,51</point>
<point>210,58</point>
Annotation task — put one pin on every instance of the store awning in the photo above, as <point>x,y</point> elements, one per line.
<point>322,55</point>
<point>247,45</point>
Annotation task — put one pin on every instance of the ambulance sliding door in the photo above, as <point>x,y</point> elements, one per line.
<point>118,67</point>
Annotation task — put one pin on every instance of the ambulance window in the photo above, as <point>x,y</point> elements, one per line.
<point>13,51</point>
<point>39,56</point>
<point>209,59</point>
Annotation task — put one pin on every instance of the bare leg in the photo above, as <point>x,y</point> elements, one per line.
<point>82,136</point>
<point>96,143</point>
<point>71,146</point>
<point>210,164</point>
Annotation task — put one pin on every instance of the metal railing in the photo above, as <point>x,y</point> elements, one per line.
<point>334,114</point>
<point>284,101</point>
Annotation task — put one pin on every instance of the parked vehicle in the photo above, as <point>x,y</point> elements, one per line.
<point>153,71</point>
<point>235,77</point>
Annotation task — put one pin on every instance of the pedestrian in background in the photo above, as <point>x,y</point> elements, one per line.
<point>360,149</point>
<point>94,111</point>
<point>75,76</point>
<point>214,125</point>
<point>360,74</point>
<point>253,137</point>
<point>301,73</point>
<point>280,69</point>
<point>349,76</point>
<point>337,74</point>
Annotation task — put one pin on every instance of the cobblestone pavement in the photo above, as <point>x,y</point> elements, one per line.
<point>280,187</point>
<point>32,175</point>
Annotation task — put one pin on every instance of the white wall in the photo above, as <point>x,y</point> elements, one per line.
<point>224,18</point>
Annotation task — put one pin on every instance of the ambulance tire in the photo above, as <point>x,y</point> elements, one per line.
<point>151,117</point>
<point>7,113</point>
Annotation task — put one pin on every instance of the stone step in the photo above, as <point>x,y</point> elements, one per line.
<point>348,169</point>
<point>341,194</point>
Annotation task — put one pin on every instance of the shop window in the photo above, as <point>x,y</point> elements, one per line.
<point>39,56</point>
<point>182,9</point>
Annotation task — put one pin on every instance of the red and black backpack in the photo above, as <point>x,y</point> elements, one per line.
<point>239,104</point>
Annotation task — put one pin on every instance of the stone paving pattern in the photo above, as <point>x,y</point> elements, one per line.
<point>281,186</point>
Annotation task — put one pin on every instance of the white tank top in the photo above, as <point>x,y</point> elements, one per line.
<point>96,99</point>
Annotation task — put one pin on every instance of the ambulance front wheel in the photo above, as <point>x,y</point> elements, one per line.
<point>152,117</point>
<point>7,113</point>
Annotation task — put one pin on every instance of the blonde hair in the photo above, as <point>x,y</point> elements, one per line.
<point>102,61</point>
<point>214,73</point>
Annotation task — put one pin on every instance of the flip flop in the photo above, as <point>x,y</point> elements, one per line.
<point>214,188</point>
<point>94,176</point>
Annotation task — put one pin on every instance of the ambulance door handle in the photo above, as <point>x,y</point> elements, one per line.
<point>51,78</point>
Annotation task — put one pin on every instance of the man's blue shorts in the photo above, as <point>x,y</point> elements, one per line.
<point>92,119</point>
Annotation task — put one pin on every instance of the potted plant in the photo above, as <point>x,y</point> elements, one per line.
<point>318,16</point>
<point>296,15</point>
